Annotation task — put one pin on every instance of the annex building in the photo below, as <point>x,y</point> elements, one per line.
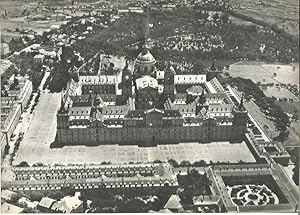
<point>140,104</point>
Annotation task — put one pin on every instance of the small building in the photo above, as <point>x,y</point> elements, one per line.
<point>200,202</point>
<point>69,204</point>
<point>7,195</point>
<point>168,7</point>
<point>54,27</point>
<point>4,49</point>
<point>7,208</point>
<point>136,10</point>
<point>39,17</point>
<point>58,17</point>
<point>27,203</point>
<point>30,36</point>
<point>38,58</point>
<point>45,204</point>
<point>174,204</point>
<point>122,11</point>
<point>164,211</point>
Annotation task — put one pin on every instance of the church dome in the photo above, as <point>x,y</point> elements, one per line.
<point>145,57</point>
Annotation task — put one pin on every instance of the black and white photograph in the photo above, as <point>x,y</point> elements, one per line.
<point>149,106</point>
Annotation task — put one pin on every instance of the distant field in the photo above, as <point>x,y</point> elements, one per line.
<point>286,74</point>
<point>279,93</point>
<point>283,13</point>
<point>289,107</point>
<point>264,73</point>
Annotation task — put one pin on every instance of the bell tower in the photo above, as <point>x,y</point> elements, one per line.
<point>240,120</point>
<point>169,82</point>
<point>126,81</point>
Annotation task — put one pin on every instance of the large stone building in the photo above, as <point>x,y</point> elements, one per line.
<point>143,105</point>
<point>15,97</point>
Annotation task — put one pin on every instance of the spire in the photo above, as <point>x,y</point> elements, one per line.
<point>213,67</point>
<point>145,48</point>
<point>62,108</point>
<point>146,24</point>
<point>126,66</point>
<point>241,106</point>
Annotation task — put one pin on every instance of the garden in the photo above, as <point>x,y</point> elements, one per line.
<point>251,194</point>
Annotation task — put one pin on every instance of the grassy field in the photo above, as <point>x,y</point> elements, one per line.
<point>283,13</point>
<point>294,129</point>
<point>264,73</point>
<point>279,93</point>
<point>291,108</point>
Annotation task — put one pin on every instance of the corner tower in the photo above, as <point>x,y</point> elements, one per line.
<point>240,119</point>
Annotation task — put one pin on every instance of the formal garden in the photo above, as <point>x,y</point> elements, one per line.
<point>251,194</point>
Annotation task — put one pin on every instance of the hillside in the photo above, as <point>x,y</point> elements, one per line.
<point>283,13</point>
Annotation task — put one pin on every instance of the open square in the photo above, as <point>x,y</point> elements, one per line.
<point>42,130</point>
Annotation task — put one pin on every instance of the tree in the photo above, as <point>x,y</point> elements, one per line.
<point>16,82</point>
<point>36,196</point>
<point>225,18</point>
<point>196,184</point>
<point>266,127</point>
<point>30,210</point>
<point>296,171</point>
<point>185,163</point>
<point>173,162</point>
<point>6,149</point>
<point>38,164</point>
<point>57,194</point>
<point>201,163</point>
<point>23,164</point>
<point>216,17</point>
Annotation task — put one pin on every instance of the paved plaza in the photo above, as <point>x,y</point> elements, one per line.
<point>41,133</point>
<point>219,151</point>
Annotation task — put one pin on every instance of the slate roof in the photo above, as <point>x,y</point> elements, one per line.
<point>174,202</point>
<point>195,90</point>
<point>171,113</point>
<point>80,111</point>
<point>46,202</point>
<point>115,110</point>
<point>135,114</point>
<point>7,208</point>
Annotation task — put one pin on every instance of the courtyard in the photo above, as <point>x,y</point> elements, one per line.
<point>41,133</point>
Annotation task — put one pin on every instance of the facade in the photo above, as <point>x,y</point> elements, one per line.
<point>13,102</point>
<point>90,177</point>
<point>142,105</point>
